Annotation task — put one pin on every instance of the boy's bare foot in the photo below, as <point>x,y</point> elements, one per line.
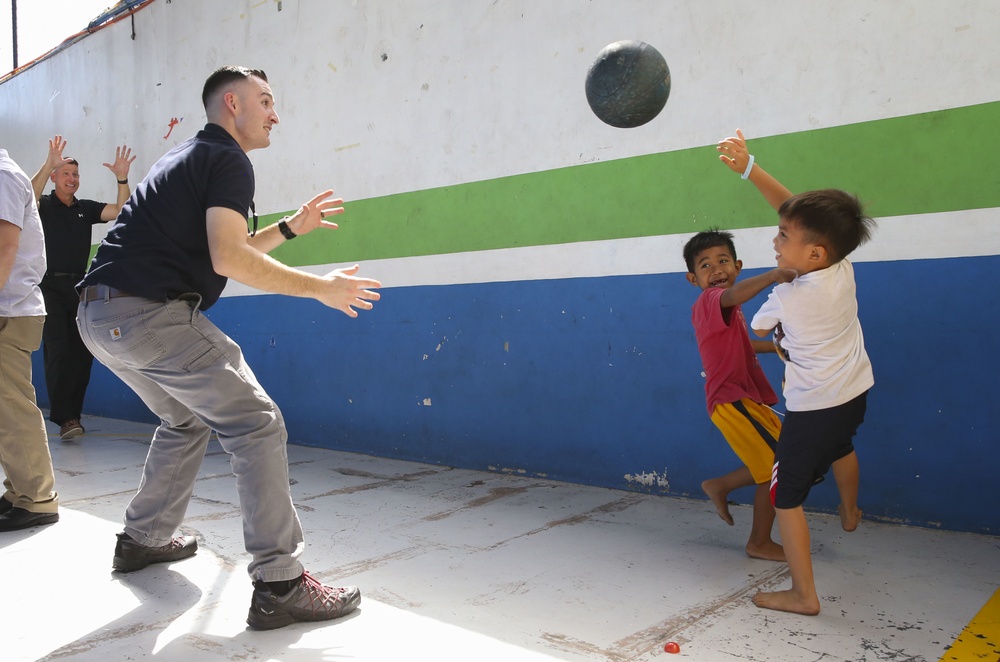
<point>713,490</point>
<point>848,520</point>
<point>769,551</point>
<point>786,601</point>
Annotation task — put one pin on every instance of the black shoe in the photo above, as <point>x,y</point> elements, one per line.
<point>309,600</point>
<point>130,555</point>
<point>16,519</point>
<point>5,505</point>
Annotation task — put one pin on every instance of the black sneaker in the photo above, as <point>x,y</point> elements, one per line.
<point>309,600</point>
<point>130,555</point>
<point>16,519</point>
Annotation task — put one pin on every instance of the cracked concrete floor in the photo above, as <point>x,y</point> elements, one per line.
<point>466,565</point>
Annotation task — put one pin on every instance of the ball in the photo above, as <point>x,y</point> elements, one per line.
<point>628,84</point>
<point>672,647</point>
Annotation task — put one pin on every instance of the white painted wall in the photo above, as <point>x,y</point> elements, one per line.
<point>390,96</point>
<point>384,96</point>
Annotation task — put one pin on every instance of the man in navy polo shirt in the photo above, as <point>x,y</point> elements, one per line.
<point>180,236</point>
<point>67,221</point>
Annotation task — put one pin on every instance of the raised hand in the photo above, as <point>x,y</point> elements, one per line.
<point>55,158</point>
<point>123,162</point>
<point>312,214</point>
<point>734,153</point>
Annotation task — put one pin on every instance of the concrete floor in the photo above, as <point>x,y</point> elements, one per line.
<point>465,565</point>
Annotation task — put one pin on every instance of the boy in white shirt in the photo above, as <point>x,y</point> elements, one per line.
<point>827,372</point>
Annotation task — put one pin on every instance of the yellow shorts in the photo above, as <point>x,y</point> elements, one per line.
<point>752,431</point>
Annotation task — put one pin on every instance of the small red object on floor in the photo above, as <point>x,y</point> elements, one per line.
<point>672,647</point>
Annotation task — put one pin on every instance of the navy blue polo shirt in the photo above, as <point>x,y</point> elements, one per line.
<point>67,232</point>
<point>158,247</point>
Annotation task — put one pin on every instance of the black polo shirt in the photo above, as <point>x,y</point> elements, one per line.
<point>158,247</point>
<point>67,232</point>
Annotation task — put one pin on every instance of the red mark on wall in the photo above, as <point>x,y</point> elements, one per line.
<point>173,122</point>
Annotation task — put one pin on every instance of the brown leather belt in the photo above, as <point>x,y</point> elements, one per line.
<point>95,292</point>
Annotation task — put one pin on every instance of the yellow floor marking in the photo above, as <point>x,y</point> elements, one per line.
<point>980,640</point>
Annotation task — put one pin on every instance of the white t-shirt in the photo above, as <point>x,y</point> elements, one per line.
<point>20,296</point>
<point>818,312</point>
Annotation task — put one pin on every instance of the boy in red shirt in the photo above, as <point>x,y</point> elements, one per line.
<point>736,389</point>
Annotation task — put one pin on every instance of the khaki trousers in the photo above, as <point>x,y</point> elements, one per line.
<point>24,444</point>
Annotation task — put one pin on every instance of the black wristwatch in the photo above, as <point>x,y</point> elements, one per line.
<point>286,231</point>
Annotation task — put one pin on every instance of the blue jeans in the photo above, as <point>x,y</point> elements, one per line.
<point>195,379</point>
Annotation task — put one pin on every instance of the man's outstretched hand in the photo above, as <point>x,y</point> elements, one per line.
<point>345,291</point>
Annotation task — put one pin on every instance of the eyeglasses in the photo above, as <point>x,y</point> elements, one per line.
<point>253,212</point>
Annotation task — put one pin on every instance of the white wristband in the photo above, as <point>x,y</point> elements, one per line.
<point>746,173</point>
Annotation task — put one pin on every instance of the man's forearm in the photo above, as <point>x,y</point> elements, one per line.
<point>244,259</point>
<point>110,211</point>
<point>248,265</point>
<point>123,193</point>
<point>39,179</point>
<point>267,239</point>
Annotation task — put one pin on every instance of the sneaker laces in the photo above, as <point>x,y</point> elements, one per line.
<point>316,588</point>
<point>312,581</point>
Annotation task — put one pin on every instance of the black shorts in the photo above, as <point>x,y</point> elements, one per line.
<point>810,442</point>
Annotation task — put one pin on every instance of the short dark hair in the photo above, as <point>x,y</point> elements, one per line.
<point>69,161</point>
<point>708,239</point>
<point>223,76</point>
<point>831,217</point>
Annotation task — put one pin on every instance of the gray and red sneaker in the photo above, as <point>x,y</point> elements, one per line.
<point>309,600</point>
<point>130,555</point>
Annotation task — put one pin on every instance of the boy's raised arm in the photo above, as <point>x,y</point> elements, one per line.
<point>734,153</point>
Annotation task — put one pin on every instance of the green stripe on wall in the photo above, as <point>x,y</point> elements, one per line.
<point>931,162</point>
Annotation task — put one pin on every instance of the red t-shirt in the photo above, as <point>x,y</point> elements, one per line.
<point>732,371</point>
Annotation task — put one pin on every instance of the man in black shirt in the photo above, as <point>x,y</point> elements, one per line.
<point>180,236</point>
<point>67,220</point>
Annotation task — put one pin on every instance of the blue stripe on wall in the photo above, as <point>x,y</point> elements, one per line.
<point>590,380</point>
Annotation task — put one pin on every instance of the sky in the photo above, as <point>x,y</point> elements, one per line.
<point>42,24</point>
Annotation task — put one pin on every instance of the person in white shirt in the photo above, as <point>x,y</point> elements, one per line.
<point>29,498</point>
<point>814,319</point>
